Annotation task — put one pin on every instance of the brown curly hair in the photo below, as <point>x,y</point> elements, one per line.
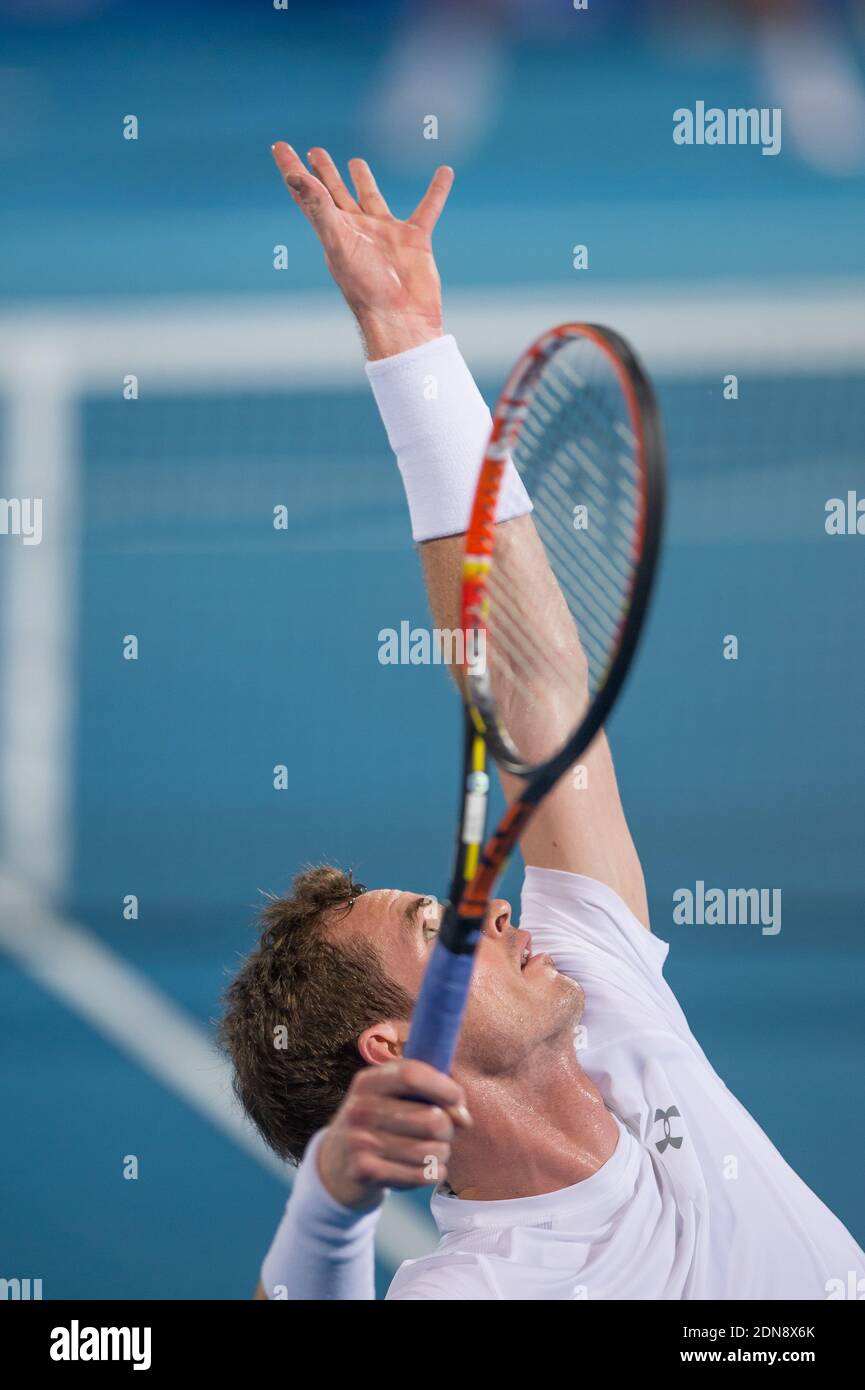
<point>295,1009</point>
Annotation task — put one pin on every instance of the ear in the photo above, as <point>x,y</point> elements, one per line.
<point>383,1042</point>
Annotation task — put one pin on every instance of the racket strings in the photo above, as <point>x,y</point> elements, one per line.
<point>550,643</point>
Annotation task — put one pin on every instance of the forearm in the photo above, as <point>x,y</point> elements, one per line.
<point>439,441</point>
<point>538,668</point>
<point>321,1249</point>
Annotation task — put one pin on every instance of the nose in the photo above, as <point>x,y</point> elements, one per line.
<point>498,918</point>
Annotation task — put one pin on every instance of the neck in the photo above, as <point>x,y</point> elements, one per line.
<point>538,1130</point>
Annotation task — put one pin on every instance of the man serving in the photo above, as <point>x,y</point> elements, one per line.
<point>584,1147</point>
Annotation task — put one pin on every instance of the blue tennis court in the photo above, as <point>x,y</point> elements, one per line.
<point>258,647</point>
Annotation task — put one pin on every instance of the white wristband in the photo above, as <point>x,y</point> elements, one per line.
<point>438,426</point>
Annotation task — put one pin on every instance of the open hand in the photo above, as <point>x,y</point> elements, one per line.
<point>383,266</point>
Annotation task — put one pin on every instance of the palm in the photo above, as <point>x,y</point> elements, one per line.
<point>383,263</point>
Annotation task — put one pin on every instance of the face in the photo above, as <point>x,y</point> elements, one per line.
<point>518,999</point>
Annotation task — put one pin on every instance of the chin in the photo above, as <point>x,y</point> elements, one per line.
<point>573,996</point>
<point>560,1012</point>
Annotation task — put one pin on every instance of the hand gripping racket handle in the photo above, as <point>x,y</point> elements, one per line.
<point>438,1013</point>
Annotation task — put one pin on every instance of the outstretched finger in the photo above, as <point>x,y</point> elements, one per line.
<point>308,192</point>
<point>325,169</point>
<point>366,188</point>
<point>428,210</point>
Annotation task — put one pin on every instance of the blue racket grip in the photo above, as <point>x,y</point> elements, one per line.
<point>438,1013</point>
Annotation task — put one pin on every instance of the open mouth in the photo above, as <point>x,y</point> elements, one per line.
<point>528,960</point>
<point>525,954</point>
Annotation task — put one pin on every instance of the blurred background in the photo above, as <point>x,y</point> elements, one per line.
<point>154,258</point>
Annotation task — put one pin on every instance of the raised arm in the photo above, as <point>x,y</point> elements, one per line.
<point>579,828</point>
<point>386,271</point>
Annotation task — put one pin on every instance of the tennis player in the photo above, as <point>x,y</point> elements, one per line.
<point>584,1146</point>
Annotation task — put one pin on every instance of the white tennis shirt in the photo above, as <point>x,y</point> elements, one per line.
<point>694,1203</point>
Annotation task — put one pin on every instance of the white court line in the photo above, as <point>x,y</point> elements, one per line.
<point>38,624</point>
<point>127,1009</point>
<point>680,329</point>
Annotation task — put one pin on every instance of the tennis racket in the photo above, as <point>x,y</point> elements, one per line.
<point>552,622</point>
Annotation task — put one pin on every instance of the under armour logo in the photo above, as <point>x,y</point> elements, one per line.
<point>669,1138</point>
